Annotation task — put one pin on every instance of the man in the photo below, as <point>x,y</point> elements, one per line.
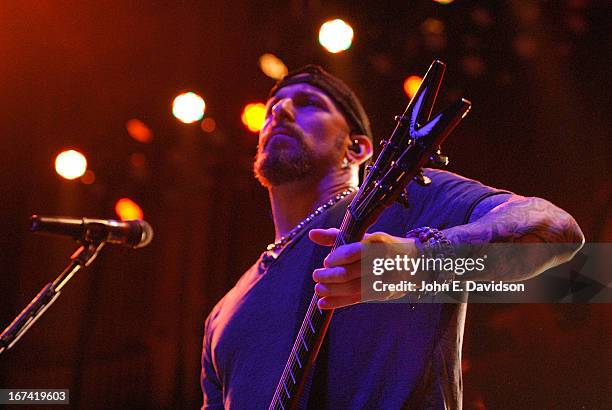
<point>315,137</point>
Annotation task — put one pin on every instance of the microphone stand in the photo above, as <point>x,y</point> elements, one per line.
<point>83,257</point>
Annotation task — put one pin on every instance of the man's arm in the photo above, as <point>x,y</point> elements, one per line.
<point>518,220</point>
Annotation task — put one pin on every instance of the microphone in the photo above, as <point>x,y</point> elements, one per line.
<point>134,234</point>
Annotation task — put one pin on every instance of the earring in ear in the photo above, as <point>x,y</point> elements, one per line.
<point>346,163</point>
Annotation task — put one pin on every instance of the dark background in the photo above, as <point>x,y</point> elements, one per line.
<point>127,332</point>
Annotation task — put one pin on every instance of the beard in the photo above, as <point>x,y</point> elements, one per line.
<point>280,165</point>
<point>282,162</point>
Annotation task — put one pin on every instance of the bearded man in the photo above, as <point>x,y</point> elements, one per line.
<point>377,355</point>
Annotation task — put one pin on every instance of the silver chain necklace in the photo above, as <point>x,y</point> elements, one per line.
<point>278,245</point>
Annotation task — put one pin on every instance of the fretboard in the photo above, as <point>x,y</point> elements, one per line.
<point>310,336</point>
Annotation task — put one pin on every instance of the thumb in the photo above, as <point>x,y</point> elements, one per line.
<point>325,237</point>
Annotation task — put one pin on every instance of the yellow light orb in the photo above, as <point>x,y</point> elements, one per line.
<point>128,210</point>
<point>411,85</point>
<point>70,164</point>
<point>253,116</point>
<point>336,36</point>
<point>188,107</point>
<point>443,2</point>
<point>272,66</point>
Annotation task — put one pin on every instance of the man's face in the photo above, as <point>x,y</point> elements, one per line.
<point>304,136</point>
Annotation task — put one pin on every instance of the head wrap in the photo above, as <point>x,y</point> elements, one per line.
<point>336,89</point>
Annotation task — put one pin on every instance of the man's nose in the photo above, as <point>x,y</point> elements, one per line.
<point>283,109</point>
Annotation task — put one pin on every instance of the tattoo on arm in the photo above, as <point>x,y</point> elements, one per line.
<point>521,220</point>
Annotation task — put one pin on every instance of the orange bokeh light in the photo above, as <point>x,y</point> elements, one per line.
<point>411,85</point>
<point>128,210</point>
<point>139,130</point>
<point>208,124</point>
<point>272,66</point>
<point>253,116</point>
<point>88,177</point>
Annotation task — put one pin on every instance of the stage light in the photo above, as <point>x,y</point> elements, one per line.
<point>411,85</point>
<point>253,116</point>
<point>432,26</point>
<point>70,164</point>
<point>128,210</point>
<point>336,36</point>
<point>272,66</point>
<point>139,130</point>
<point>188,107</point>
<point>443,2</point>
<point>88,177</point>
<point>138,159</point>
<point>208,124</point>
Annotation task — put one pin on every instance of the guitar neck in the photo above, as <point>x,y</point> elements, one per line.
<point>310,336</point>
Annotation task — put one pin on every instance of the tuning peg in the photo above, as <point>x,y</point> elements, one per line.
<point>422,179</point>
<point>438,159</point>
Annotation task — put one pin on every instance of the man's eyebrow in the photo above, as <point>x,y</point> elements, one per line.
<point>319,96</point>
<point>302,94</point>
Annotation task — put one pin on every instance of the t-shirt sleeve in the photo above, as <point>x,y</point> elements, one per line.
<point>211,386</point>
<point>448,201</point>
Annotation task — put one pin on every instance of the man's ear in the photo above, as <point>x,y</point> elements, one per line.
<point>360,149</point>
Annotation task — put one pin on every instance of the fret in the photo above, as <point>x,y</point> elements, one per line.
<point>311,327</point>
<point>292,376</point>
<point>298,361</point>
<point>286,391</point>
<point>303,341</point>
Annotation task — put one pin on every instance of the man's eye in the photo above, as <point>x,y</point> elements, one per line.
<point>313,102</point>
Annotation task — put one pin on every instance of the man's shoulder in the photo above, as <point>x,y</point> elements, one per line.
<point>448,200</point>
<point>441,176</point>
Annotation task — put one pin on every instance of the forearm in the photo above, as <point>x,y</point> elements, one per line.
<point>520,220</point>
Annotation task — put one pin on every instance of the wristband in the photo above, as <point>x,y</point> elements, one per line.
<point>432,243</point>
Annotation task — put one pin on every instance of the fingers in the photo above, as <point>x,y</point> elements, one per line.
<point>350,288</point>
<point>344,255</point>
<point>351,253</point>
<point>338,286</point>
<point>337,274</point>
<point>337,302</point>
<point>325,237</point>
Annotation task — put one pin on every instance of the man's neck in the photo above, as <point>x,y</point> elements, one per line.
<point>292,202</point>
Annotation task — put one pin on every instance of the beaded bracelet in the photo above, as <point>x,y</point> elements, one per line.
<point>432,243</point>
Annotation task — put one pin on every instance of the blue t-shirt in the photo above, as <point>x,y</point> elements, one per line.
<point>375,355</point>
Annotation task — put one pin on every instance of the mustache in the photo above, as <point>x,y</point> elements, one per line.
<point>285,129</point>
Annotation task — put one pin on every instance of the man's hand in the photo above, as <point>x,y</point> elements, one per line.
<point>339,281</point>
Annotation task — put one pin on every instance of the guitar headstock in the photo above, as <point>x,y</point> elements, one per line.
<point>415,140</point>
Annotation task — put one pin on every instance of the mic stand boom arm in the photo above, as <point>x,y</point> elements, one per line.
<point>83,257</point>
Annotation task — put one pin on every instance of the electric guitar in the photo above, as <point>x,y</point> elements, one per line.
<point>415,140</point>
